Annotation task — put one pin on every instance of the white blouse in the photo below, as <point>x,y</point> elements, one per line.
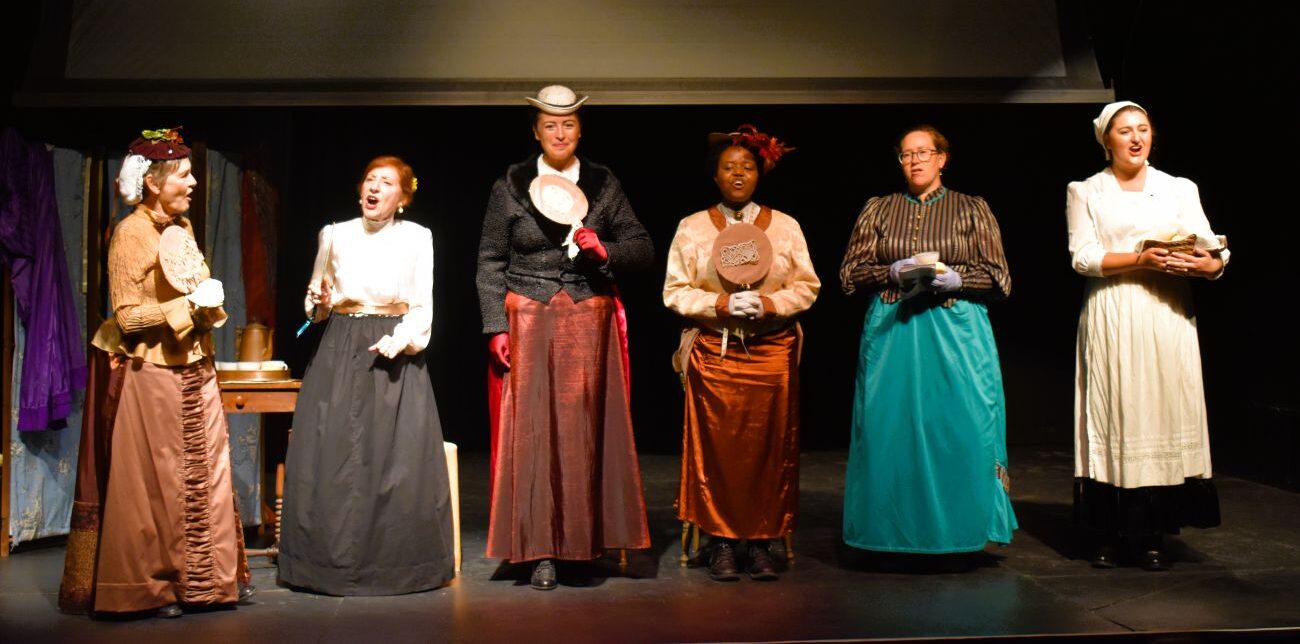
<point>1105,218</point>
<point>388,263</point>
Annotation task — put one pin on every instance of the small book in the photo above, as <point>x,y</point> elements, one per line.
<point>1181,245</point>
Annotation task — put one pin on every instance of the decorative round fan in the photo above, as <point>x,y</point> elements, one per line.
<point>742,255</point>
<point>181,260</point>
<point>558,199</point>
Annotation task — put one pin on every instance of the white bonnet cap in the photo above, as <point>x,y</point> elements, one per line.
<point>1100,123</point>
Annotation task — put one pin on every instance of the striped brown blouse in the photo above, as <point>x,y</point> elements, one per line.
<point>960,227</point>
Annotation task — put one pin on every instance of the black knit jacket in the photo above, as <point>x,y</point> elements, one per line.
<point>520,249</point>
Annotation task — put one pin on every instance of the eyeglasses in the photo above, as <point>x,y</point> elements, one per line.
<point>921,156</point>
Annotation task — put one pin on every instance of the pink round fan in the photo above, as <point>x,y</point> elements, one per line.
<point>181,259</point>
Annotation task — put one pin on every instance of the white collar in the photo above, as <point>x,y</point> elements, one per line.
<point>748,213</point>
<point>570,173</point>
<point>371,226</point>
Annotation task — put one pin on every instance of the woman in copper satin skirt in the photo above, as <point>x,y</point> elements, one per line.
<point>739,360</point>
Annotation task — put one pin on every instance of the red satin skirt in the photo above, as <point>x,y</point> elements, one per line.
<point>567,484</point>
<point>740,447</point>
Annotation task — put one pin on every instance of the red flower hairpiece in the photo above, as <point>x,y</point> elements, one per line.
<point>768,147</point>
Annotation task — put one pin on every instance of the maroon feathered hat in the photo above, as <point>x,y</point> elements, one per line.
<point>160,145</point>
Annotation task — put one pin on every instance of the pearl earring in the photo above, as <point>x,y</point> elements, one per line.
<point>400,210</point>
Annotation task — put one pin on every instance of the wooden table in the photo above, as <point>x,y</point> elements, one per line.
<point>246,397</point>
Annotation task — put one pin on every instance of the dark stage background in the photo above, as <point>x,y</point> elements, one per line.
<point>1219,84</point>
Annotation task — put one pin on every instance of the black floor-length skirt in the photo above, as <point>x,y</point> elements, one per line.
<point>367,507</point>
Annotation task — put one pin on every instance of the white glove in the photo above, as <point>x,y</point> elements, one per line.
<point>209,294</point>
<point>745,304</point>
<point>388,346</point>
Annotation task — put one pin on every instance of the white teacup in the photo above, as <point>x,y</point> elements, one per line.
<point>928,258</point>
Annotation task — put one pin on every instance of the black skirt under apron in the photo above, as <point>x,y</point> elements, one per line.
<point>1107,512</point>
<point>367,507</point>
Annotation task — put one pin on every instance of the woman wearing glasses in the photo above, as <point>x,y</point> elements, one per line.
<point>927,466</point>
<point>1142,448</point>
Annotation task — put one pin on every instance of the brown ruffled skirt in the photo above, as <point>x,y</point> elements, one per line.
<point>740,448</point>
<point>567,482</point>
<point>170,531</point>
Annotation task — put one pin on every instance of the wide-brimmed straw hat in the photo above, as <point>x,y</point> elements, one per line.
<point>556,99</point>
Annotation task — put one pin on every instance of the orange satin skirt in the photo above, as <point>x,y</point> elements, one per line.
<point>740,447</point>
<point>567,483</point>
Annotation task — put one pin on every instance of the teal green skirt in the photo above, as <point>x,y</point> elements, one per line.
<point>928,462</point>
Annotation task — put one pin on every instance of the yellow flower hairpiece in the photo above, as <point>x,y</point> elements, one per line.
<point>415,184</point>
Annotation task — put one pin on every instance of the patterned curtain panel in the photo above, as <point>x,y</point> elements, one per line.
<point>45,462</point>
<point>222,234</point>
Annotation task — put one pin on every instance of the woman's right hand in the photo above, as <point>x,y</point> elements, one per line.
<point>319,296</point>
<point>898,266</point>
<point>1153,259</point>
<point>499,349</point>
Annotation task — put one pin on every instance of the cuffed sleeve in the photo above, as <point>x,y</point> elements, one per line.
<point>1191,216</point>
<point>861,268</point>
<point>1086,250</point>
<point>988,275</point>
<point>801,286</point>
<point>320,273</point>
<point>629,245</point>
<point>417,324</point>
<point>493,259</point>
<point>681,293</point>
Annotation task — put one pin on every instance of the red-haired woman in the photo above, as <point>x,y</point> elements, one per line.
<point>366,502</point>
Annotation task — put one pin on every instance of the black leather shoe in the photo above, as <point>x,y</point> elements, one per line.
<point>760,566</point>
<point>169,611</point>
<point>1155,560</point>
<point>544,575</point>
<point>246,592</point>
<point>722,561</point>
<point>1104,558</point>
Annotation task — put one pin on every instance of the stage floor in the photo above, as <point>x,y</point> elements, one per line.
<point>1243,575</point>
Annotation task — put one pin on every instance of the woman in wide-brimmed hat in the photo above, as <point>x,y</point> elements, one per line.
<point>557,233</point>
<point>740,274</point>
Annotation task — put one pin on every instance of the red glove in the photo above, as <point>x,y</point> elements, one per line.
<point>499,349</point>
<point>590,245</point>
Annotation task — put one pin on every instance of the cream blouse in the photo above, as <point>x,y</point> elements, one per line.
<point>386,263</point>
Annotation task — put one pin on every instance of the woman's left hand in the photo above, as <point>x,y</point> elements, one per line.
<point>946,281</point>
<point>590,245</point>
<point>1199,263</point>
<point>388,346</point>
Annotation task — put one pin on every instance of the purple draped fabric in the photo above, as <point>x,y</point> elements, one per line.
<point>31,246</point>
